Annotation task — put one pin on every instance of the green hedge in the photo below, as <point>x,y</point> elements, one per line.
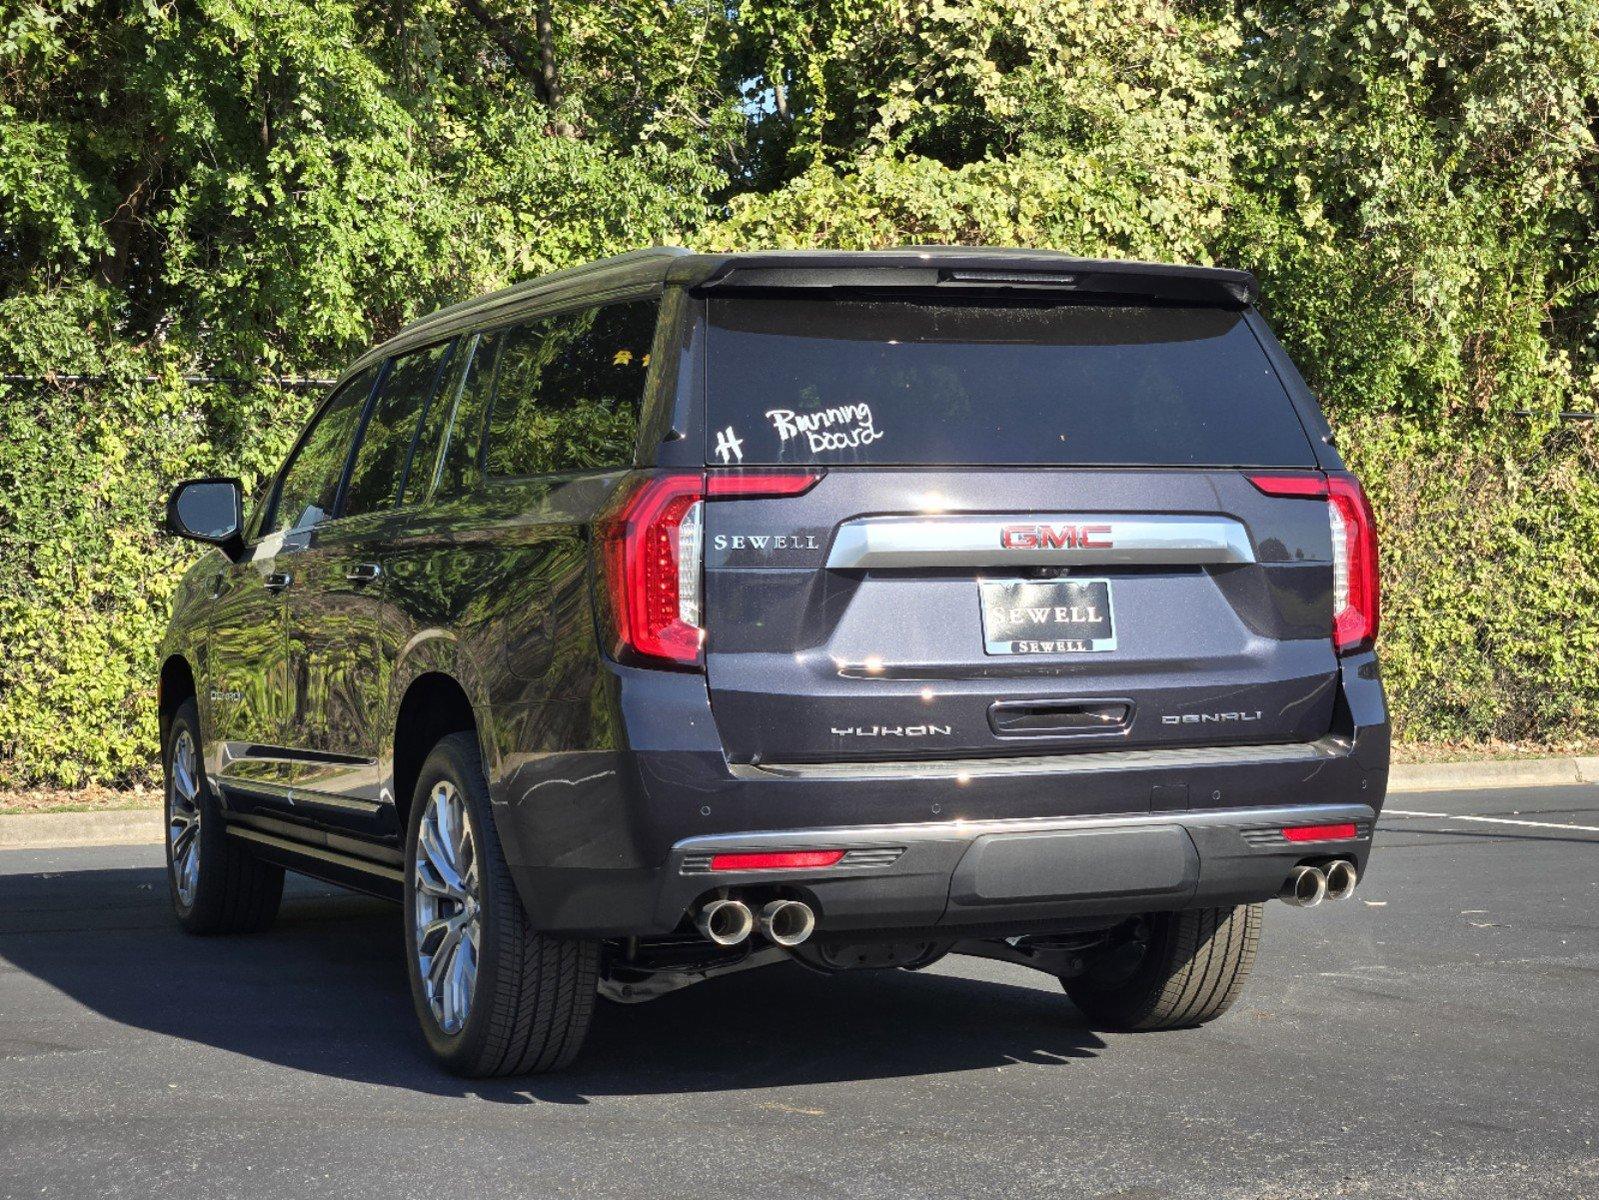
<point>256,188</point>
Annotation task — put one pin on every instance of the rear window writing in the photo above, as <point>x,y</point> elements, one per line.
<point>908,382</point>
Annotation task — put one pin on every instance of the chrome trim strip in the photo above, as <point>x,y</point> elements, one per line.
<point>972,541</point>
<point>965,831</point>
<point>1051,764</point>
<point>320,853</point>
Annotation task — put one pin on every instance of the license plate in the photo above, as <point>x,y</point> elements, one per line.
<point>1047,616</point>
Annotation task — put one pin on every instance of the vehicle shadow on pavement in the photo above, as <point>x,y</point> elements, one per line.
<point>325,991</point>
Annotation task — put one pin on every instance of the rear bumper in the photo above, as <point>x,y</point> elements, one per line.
<point>612,842</point>
<point>964,874</point>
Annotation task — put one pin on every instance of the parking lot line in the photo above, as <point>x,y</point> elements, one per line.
<point>1400,812</point>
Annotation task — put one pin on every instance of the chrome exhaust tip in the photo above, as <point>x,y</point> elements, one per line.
<point>1305,887</point>
<point>786,922</point>
<point>725,922</point>
<point>1341,878</point>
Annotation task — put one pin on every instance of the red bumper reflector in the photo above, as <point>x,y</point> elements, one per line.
<point>1319,833</point>
<point>783,860</point>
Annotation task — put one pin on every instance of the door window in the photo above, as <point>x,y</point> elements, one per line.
<point>310,483</point>
<point>463,440</point>
<point>385,447</point>
<point>568,391</point>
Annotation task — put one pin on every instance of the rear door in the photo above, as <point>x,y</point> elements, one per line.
<point>1034,531</point>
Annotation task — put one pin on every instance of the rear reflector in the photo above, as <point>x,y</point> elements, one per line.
<point>1319,833</point>
<point>780,860</point>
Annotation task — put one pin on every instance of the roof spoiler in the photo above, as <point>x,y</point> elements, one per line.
<point>952,269</point>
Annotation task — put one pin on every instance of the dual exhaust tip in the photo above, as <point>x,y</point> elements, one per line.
<point>730,922</point>
<point>1308,886</point>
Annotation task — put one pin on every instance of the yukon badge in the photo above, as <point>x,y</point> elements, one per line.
<point>891,731</point>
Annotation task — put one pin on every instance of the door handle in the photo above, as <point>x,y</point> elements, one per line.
<point>363,573</point>
<point>217,582</point>
<point>277,581</point>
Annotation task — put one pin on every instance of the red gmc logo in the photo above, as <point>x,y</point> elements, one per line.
<point>1036,537</point>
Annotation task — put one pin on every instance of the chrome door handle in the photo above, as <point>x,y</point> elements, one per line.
<point>363,573</point>
<point>277,581</point>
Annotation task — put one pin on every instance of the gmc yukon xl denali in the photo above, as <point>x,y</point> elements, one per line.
<point>682,614</point>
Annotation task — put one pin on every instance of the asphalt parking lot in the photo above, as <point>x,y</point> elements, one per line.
<point>1436,1036</point>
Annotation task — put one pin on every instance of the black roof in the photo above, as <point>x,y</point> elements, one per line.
<point>916,267</point>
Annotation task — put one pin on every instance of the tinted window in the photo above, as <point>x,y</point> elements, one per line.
<point>568,390</point>
<point>458,463</point>
<point>311,480</point>
<point>900,381</point>
<point>390,430</point>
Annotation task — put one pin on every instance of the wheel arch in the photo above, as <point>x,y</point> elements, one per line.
<point>434,705</point>
<point>176,684</point>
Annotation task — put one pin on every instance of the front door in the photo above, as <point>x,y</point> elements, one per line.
<point>247,665</point>
<point>257,762</point>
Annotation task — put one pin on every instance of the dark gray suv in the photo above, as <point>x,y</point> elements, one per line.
<point>683,613</point>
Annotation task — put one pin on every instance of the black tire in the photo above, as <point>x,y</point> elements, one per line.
<point>1182,969</point>
<point>533,996</point>
<point>227,889</point>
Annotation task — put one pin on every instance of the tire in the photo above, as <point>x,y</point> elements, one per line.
<point>1191,968</point>
<point>530,995</point>
<point>216,884</point>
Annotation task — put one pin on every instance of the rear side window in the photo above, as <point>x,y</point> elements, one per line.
<point>568,390</point>
<point>910,382</point>
<point>310,483</point>
<point>386,441</point>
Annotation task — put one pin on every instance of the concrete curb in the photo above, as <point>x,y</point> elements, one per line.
<point>142,826</point>
<point>1463,776</point>
<point>46,831</point>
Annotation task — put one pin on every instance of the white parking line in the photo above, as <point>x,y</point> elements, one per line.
<point>1400,812</point>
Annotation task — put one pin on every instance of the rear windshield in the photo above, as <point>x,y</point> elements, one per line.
<point>911,382</point>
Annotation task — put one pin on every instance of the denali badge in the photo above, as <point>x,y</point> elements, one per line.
<point>894,731</point>
<point>1208,718</point>
<point>1051,537</point>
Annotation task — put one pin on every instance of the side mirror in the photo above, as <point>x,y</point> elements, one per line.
<point>208,510</point>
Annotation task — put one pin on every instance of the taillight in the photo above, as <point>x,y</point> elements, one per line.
<point>1357,600</point>
<point>651,555</point>
<point>1356,597</point>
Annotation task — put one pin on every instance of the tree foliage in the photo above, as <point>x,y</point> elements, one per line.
<point>253,189</point>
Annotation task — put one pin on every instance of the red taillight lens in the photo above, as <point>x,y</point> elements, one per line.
<point>778,860</point>
<point>1357,600</point>
<point>1356,596</point>
<point>1319,833</point>
<point>755,484</point>
<point>650,555</point>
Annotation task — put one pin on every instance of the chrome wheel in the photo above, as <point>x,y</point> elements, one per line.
<point>183,817</point>
<point>446,907</point>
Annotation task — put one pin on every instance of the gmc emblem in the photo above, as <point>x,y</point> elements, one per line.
<point>1039,537</point>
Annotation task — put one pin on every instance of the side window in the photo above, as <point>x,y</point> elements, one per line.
<point>454,426</point>
<point>310,482</point>
<point>568,391</point>
<point>386,440</point>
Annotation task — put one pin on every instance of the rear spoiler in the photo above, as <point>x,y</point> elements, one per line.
<point>951,269</point>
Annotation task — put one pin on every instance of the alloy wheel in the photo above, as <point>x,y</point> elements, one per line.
<point>183,817</point>
<point>446,907</point>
